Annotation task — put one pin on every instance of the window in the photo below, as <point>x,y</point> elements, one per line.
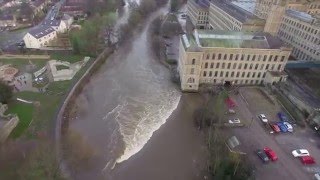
<point>232,73</point>
<point>193,61</point>
<point>223,65</point>
<point>192,71</point>
<point>225,57</point>
<point>234,66</point>
<point>270,58</point>
<point>248,75</point>
<point>227,74</point>
<point>221,74</point>
<point>240,65</point>
<point>264,75</point>
<point>259,74</point>
<point>267,66</point>
<point>242,57</point>
<point>261,67</point>
<point>243,73</point>
<point>279,67</point>
<point>213,56</point>
<point>208,56</point>
<point>211,66</point>
<point>282,58</point>
<point>264,57</point>
<point>237,57</point>
<point>204,73</point>
<point>253,75</point>
<point>190,80</point>
<point>238,74</point>
<point>245,66</point>
<point>275,58</point>
<point>216,74</point>
<point>256,67</point>
<point>248,57</point>
<point>229,65</point>
<point>272,67</point>
<point>210,74</point>
<point>217,66</point>
<point>251,66</point>
<point>206,65</point>
<point>219,56</point>
<point>231,56</point>
<point>253,57</point>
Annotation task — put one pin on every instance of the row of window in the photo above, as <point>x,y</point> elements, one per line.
<point>232,74</point>
<point>257,66</point>
<point>300,26</point>
<point>236,81</point>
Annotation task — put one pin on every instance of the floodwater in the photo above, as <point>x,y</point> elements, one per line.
<point>125,102</point>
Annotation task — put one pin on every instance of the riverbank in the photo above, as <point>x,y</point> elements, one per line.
<point>175,151</point>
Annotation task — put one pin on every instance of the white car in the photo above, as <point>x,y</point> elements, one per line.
<point>235,121</point>
<point>300,153</point>
<point>289,126</point>
<point>263,118</point>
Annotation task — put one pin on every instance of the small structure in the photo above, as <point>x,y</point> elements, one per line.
<point>39,37</point>
<point>68,20</point>
<point>62,70</point>
<point>273,77</point>
<point>7,123</point>
<point>8,73</point>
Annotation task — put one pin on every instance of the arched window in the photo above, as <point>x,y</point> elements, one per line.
<point>193,61</point>
<point>190,80</point>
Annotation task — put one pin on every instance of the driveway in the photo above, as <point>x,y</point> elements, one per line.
<point>256,136</point>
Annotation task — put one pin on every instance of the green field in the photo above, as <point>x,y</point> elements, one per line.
<point>21,63</point>
<point>24,112</point>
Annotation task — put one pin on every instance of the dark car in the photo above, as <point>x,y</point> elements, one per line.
<point>282,116</point>
<point>262,155</point>
<point>282,127</point>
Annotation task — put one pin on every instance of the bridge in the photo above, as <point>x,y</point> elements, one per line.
<point>297,64</point>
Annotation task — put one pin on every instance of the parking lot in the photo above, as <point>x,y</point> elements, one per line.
<point>255,135</point>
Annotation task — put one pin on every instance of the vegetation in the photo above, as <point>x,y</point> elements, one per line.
<point>209,119</point>
<point>5,93</point>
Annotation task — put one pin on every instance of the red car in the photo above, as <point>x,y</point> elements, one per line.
<point>275,128</point>
<point>271,154</point>
<point>307,160</point>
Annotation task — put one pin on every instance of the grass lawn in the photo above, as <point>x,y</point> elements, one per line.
<point>67,57</point>
<point>25,114</point>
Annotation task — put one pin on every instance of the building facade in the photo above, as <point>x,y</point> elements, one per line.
<point>302,32</point>
<point>228,16</point>
<point>39,37</point>
<point>198,11</point>
<point>314,7</point>
<point>241,58</point>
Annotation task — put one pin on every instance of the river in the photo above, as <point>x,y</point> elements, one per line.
<point>126,101</point>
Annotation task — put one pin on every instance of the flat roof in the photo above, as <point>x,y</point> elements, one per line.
<point>239,13</point>
<point>300,15</point>
<point>248,5</point>
<point>230,39</point>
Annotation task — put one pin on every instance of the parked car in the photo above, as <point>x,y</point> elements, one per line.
<point>282,127</point>
<point>270,153</point>
<point>234,121</point>
<point>288,126</point>
<point>282,116</point>
<point>262,155</point>
<point>263,118</point>
<point>300,152</point>
<point>307,160</point>
<point>275,128</point>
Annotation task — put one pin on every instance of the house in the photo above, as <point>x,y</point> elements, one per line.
<point>68,20</point>
<point>7,21</point>
<point>39,37</point>
<point>58,25</point>
<point>38,5</point>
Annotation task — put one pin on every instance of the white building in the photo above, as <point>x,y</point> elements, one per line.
<point>58,25</point>
<point>241,58</point>
<point>198,11</point>
<point>39,37</point>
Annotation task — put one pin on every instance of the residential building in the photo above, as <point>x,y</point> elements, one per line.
<point>302,32</point>
<point>225,15</point>
<point>68,20</point>
<point>198,11</point>
<point>39,5</point>
<point>7,21</point>
<point>241,58</point>
<point>58,25</point>
<point>39,37</point>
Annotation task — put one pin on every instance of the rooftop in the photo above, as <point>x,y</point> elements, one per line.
<point>305,17</point>
<point>204,4</point>
<point>238,12</point>
<point>248,5</point>
<point>51,22</point>
<point>41,31</point>
<point>230,39</point>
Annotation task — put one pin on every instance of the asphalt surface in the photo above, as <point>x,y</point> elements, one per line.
<point>257,136</point>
